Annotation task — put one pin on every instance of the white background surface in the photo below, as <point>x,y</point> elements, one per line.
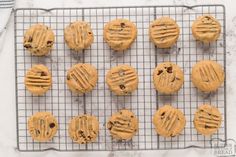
<point>7,77</point>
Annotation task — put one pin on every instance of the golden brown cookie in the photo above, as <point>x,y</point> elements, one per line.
<point>168,78</point>
<point>207,75</point>
<point>42,126</point>
<point>206,29</point>
<point>122,79</point>
<point>82,78</point>
<point>83,129</point>
<point>120,34</point>
<point>169,121</point>
<point>38,79</point>
<point>39,39</point>
<point>78,35</point>
<point>164,32</point>
<point>207,119</point>
<point>123,125</point>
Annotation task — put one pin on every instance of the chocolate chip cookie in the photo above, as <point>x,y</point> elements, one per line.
<point>207,119</point>
<point>78,35</point>
<point>168,121</point>
<point>206,29</point>
<point>207,75</point>
<point>39,40</point>
<point>120,34</point>
<point>123,125</point>
<point>42,126</point>
<point>38,79</point>
<point>168,78</point>
<point>83,129</point>
<point>122,79</point>
<point>82,78</point>
<point>164,32</point>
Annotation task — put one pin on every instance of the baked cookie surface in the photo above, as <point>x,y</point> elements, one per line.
<point>207,119</point>
<point>82,78</point>
<point>123,125</point>
<point>207,75</point>
<point>168,78</point>
<point>206,29</point>
<point>122,79</point>
<point>39,40</point>
<point>42,126</point>
<point>120,34</point>
<point>38,79</point>
<point>164,32</point>
<point>169,121</point>
<point>83,129</point>
<point>78,35</point>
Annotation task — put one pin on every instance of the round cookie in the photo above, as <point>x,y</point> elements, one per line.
<point>164,32</point>
<point>78,35</point>
<point>169,121</point>
<point>82,78</point>
<point>83,129</point>
<point>207,75</point>
<point>42,126</point>
<point>39,40</point>
<point>168,78</point>
<point>206,29</point>
<point>120,34</point>
<point>123,125</point>
<point>38,79</point>
<point>122,79</point>
<point>207,119</point>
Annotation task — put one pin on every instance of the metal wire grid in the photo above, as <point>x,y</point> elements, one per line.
<point>142,55</point>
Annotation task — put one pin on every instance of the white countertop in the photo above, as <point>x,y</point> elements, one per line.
<point>7,77</point>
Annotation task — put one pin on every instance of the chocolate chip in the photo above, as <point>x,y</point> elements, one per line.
<point>122,25</point>
<point>52,125</point>
<point>68,77</point>
<point>206,127</point>
<point>89,32</point>
<point>122,87</point>
<point>172,135</point>
<point>27,46</point>
<point>37,132</point>
<point>30,39</point>
<point>43,74</point>
<point>163,114</point>
<point>173,79</point>
<point>169,69</point>
<point>49,43</point>
<point>159,72</point>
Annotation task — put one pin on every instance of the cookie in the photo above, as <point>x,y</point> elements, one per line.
<point>122,79</point>
<point>120,34</point>
<point>83,129</point>
<point>207,75</point>
<point>123,125</point>
<point>39,40</point>
<point>164,32</point>
<point>82,78</point>
<point>42,126</point>
<point>78,35</point>
<point>168,78</point>
<point>206,29</point>
<point>207,119</point>
<point>169,121</point>
<point>38,79</point>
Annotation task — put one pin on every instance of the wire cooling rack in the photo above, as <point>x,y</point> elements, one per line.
<point>142,55</point>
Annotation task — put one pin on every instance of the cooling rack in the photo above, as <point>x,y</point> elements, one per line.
<point>142,55</point>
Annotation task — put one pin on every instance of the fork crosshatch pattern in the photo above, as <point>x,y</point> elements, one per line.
<point>101,102</point>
